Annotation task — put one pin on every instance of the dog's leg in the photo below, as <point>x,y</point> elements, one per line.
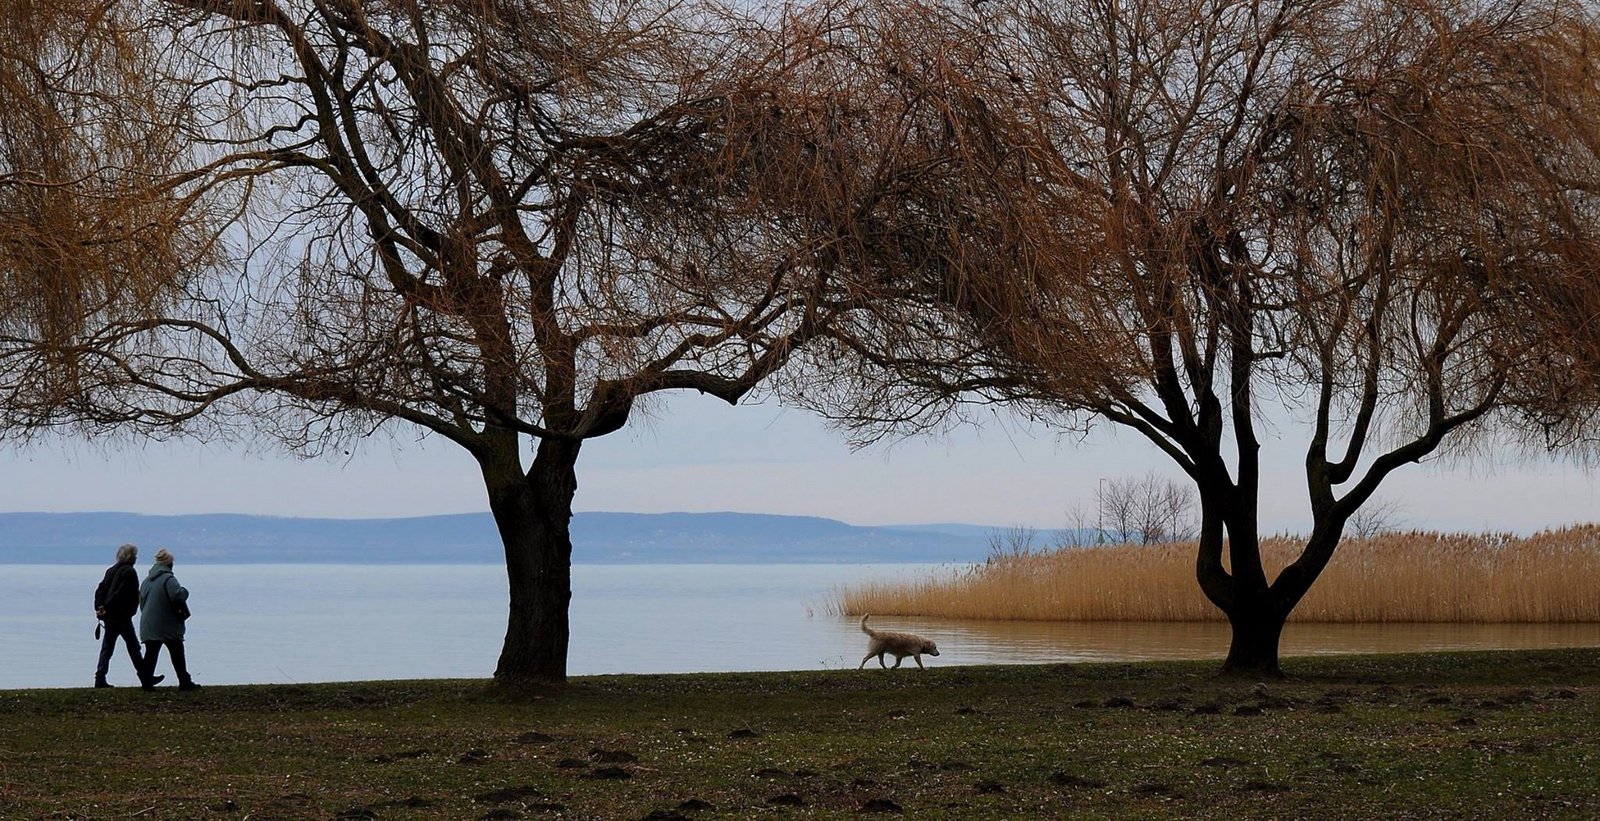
<point>880,662</point>
<point>918,659</point>
<point>863,664</point>
<point>897,660</point>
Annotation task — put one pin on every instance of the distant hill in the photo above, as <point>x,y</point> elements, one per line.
<point>1042,537</point>
<point>598,538</point>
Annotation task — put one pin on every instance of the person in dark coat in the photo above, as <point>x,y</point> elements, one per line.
<point>115,601</point>
<point>163,605</point>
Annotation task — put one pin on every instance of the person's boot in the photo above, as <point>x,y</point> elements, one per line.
<point>188,684</point>
<point>150,682</point>
<point>100,683</point>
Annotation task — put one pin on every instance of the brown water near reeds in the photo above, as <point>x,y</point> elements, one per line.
<point>968,641</point>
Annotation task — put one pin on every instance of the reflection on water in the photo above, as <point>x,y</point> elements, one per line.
<point>1015,642</point>
<point>299,623</point>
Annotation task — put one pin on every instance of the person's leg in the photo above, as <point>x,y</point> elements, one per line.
<point>108,645</point>
<point>180,665</point>
<point>152,654</point>
<point>141,665</point>
<point>131,639</point>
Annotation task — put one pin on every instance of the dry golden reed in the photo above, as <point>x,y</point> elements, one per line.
<point>1552,576</point>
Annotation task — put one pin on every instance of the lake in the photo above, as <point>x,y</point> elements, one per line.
<point>302,623</point>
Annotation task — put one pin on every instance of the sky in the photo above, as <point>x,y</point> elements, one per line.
<point>699,454</point>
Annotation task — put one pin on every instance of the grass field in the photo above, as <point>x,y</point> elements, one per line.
<point>1486,735</point>
<point>1548,577</point>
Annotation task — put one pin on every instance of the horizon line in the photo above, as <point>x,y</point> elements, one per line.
<point>488,513</point>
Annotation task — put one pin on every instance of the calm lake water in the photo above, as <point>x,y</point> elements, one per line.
<point>300,623</point>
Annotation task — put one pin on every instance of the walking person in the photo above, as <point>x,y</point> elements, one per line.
<point>163,605</point>
<point>116,599</point>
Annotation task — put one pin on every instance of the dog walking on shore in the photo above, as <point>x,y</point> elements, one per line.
<point>899,645</point>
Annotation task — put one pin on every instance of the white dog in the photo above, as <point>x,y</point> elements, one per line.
<point>899,645</point>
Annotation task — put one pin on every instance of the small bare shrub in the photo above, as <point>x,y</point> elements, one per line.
<point>1376,517</point>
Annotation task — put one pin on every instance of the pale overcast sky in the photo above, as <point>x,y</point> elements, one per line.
<point>698,454</point>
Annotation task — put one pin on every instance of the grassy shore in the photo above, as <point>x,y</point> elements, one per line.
<point>1480,735</point>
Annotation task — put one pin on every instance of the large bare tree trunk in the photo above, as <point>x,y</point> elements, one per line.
<point>1253,651</point>
<point>1257,611</point>
<point>533,513</point>
<point>1254,612</point>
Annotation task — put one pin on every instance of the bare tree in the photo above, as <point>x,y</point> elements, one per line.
<point>506,223</point>
<point>1015,542</point>
<point>1375,518</point>
<point>1149,508</point>
<point>1083,528</point>
<point>1171,214</point>
<point>1116,508</point>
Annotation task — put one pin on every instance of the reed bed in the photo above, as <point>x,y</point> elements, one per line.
<point>1552,576</point>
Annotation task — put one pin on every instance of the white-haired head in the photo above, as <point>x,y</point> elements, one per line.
<point>163,557</point>
<point>127,553</point>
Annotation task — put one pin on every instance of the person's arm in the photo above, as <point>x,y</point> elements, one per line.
<point>101,592</point>
<point>176,592</point>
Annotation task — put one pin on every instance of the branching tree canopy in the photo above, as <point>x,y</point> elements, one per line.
<point>505,222</point>
<point>90,230</point>
<point>1173,215</point>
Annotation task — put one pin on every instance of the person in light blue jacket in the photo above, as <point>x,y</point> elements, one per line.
<point>163,606</point>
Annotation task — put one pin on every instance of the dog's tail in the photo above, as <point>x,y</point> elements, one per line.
<point>864,627</point>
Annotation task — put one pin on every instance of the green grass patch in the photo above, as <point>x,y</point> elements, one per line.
<point>1482,735</point>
